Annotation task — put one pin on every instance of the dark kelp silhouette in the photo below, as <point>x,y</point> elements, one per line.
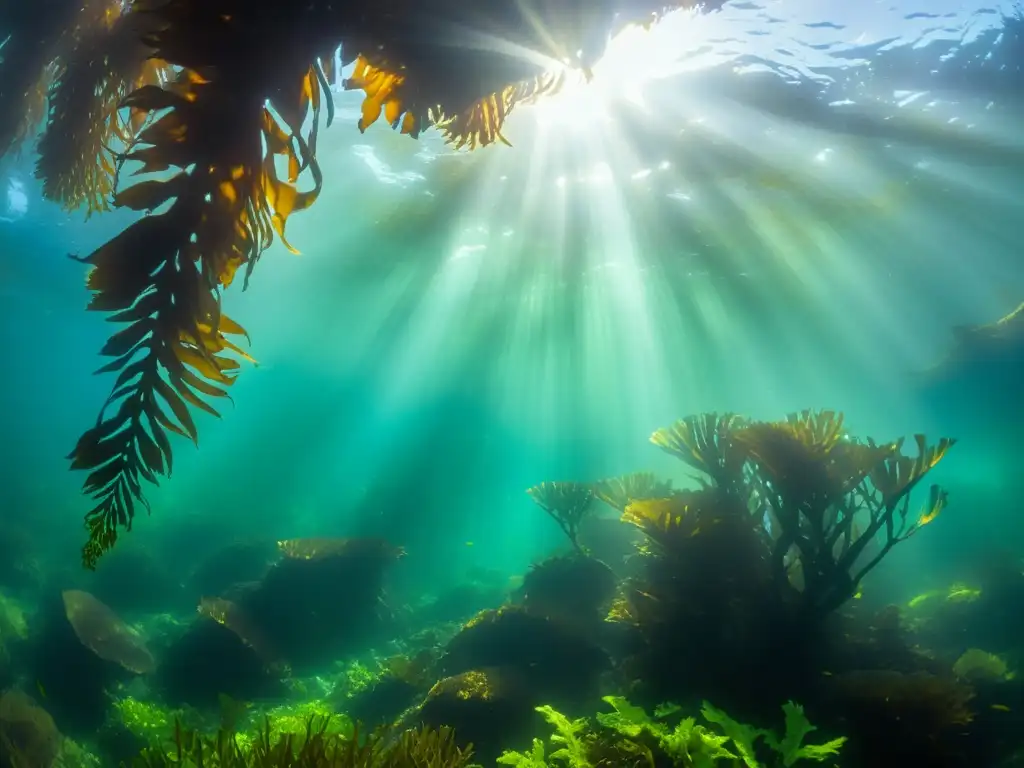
<point>209,95</point>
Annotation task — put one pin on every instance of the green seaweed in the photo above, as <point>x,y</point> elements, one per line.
<point>792,747</point>
<point>689,744</point>
<point>571,740</point>
<point>318,746</point>
<point>533,759</point>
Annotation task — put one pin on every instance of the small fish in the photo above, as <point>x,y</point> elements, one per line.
<point>1000,708</point>
<point>39,687</point>
<point>469,543</point>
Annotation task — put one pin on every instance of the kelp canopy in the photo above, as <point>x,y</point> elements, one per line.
<point>206,100</point>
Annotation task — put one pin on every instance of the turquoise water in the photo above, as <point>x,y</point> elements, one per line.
<point>791,212</point>
<point>785,205</point>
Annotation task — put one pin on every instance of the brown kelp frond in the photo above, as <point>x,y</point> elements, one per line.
<point>805,459</point>
<point>705,442</point>
<point>826,507</point>
<point>480,124</point>
<point>163,274</point>
<point>27,76</point>
<point>39,35</point>
<point>405,107</point>
<point>86,124</point>
<point>618,492</point>
<point>386,94</point>
<point>567,503</point>
<point>446,80</point>
<point>663,519</point>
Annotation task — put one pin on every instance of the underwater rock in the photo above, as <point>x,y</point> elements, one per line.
<point>559,664</point>
<point>376,698</point>
<point>383,701</point>
<point>492,709</point>
<point>76,678</point>
<point>237,563</point>
<point>859,638</point>
<point>28,735</point>
<point>998,344</point>
<point>975,388</point>
<point>322,600</point>
<point>101,631</point>
<point>572,589</point>
<point>904,719</point>
<point>211,659</point>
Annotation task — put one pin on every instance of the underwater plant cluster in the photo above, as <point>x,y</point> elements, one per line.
<point>727,624</point>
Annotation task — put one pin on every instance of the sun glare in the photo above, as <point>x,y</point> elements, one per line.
<point>672,208</point>
<point>633,58</point>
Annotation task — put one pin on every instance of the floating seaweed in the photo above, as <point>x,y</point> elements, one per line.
<point>101,631</point>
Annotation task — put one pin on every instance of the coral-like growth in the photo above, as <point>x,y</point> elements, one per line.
<point>821,498</point>
<point>567,503</point>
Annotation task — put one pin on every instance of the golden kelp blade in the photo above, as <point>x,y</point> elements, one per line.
<point>391,95</point>
<point>480,125</point>
<point>163,274</point>
<point>87,125</point>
